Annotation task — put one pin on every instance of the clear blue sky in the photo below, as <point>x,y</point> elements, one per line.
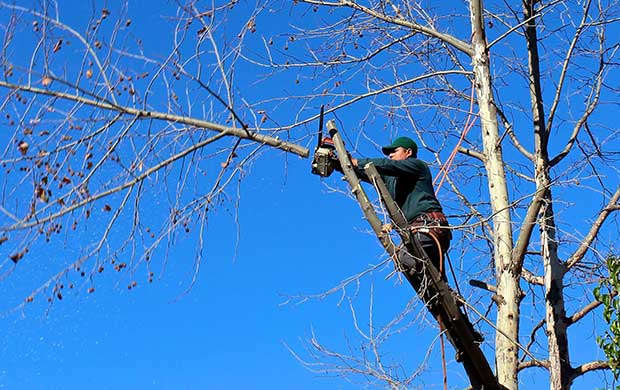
<point>236,327</point>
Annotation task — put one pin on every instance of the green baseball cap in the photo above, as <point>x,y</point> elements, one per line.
<point>404,142</point>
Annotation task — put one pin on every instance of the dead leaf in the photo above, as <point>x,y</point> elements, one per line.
<point>58,45</point>
<point>47,80</point>
<point>89,73</point>
<point>15,257</point>
<point>41,194</point>
<point>251,25</point>
<point>23,147</point>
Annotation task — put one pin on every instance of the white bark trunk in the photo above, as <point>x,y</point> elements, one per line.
<point>508,288</point>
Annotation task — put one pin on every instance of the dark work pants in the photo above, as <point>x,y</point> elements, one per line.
<point>432,251</point>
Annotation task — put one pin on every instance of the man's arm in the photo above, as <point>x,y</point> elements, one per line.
<point>359,171</point>
<point>385,166</point>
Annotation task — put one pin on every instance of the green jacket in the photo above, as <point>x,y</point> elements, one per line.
<point>408,181</point>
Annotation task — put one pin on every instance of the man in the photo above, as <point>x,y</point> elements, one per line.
<point>409,182</point>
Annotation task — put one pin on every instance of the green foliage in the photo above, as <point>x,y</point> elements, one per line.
<point>607,293</point>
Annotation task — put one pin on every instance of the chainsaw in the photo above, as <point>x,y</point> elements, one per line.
<point>325,159</point>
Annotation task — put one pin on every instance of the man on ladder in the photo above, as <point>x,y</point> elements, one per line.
<point>410,184</point>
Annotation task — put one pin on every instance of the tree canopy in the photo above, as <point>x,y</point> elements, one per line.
<point>127,131</point>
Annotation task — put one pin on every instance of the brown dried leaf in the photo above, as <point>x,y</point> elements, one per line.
<point>41,194</point>
<point>89,73</point>
<point>58,45</point>
<point>23,146</point>
<point>251,25</point>
<point>15,257</point>
<point>47,80</point>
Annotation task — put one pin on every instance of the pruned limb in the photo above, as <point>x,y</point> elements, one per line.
<point>423,277</point>
<point>358,191</point>
<point>106,105</point>
<point>439,299</point>
<point>472,153</point>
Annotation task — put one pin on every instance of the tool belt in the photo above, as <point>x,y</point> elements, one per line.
<point>434,223</point>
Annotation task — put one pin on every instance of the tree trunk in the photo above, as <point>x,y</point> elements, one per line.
<point>554,270</point>
<point>508,288</point>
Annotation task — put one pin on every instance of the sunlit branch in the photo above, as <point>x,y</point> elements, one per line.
<point>534,363</point>
<point>589,367</point>
<point>41,220</point>
<point>457,43</point>
<point>582,120</point>
<point>523,23</point>
<point>144,114</point>
<point>74,33</point>
<point>567,62</point>
<point>510,130</point>
<point>374,93</point>
<point>583,312</point>
<point>365,58</point>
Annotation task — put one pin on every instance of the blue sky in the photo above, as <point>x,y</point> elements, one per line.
<point>230,330</point>
<point>257,300</point>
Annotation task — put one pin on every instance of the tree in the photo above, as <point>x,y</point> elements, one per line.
<point>98,119</point>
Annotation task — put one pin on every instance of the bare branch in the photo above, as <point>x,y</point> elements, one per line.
<point>567,63</point>
<point>583,312</point>
<point>589,367</point>
<point>534,363</point>
<point>398,20</point>
<point>41,220</point>
<point>472,153</point>
<point>612,205</point>
<point>105,105</point>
